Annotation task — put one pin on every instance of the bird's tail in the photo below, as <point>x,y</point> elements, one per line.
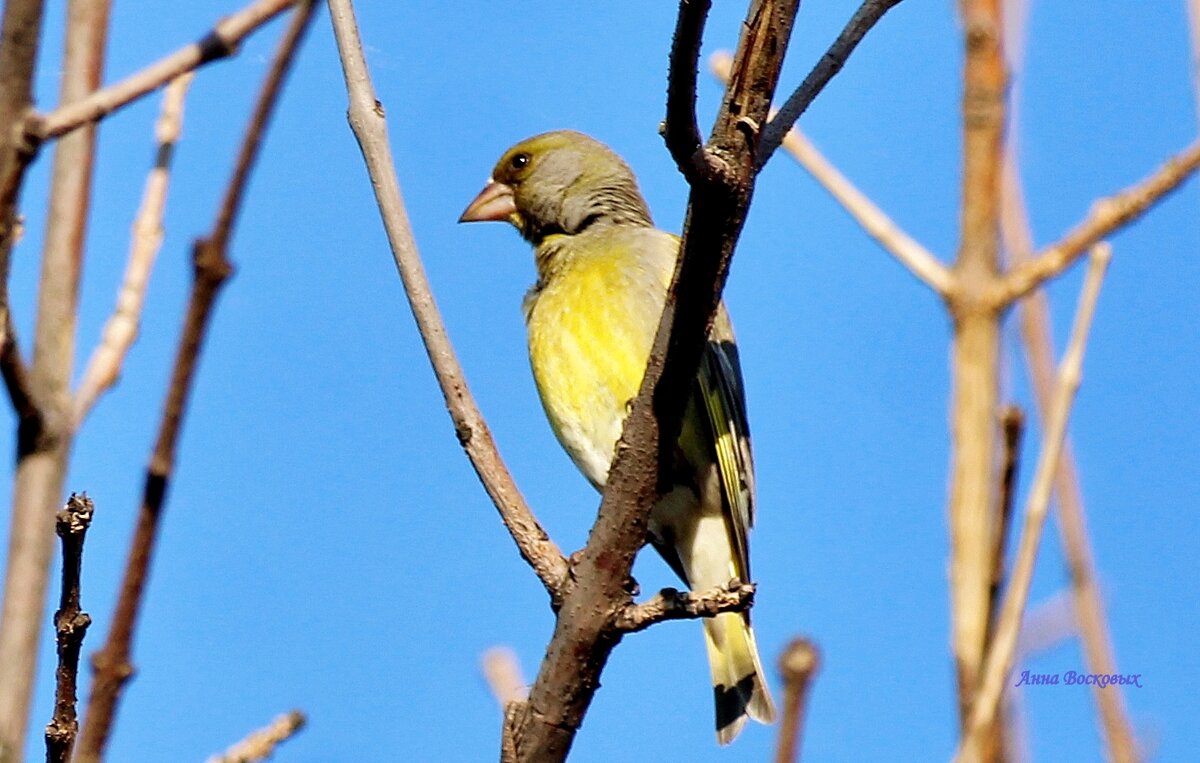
<point>739,687</point>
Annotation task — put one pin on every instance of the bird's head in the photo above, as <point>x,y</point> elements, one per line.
<point>559,182</point>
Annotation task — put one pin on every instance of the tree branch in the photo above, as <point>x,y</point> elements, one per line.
<point>799,663</point>
<point>1000,653</point>
<point>976,353</point>
<point>211,267</point>
<point>44,439</point>
<point>671,604</point>
<point>503,674</point>
<point>680,130</point>
<point>261,744</point>
<point>774,132</point>
<point>121,330</point>
<point>545,727</point>
<point>1035,326</point>
<point>1106,216</point>
<point>221,42</point>
<point>70,625</point>
<point>370,129</point>
<point>908,252</point>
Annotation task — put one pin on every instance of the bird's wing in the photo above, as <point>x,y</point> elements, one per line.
<point>724,403</point>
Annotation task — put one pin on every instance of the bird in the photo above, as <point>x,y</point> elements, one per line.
<point>603,271</point>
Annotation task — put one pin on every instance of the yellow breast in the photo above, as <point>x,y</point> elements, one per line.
<point>591,322</point>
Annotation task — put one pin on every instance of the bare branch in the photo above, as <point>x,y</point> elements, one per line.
<point>44,439</point>
<point>370,129</point>
<point>680,131</point>
<point>1012,421</point>
<point>221,42</point>
<point>70,625</point>
<point>211,267</point>
<point>546,726</point>
<point>670,604</point>
<point>1106,216</point>
<point>919,260</point>
<point>261,744</point>
<point>1003,646</point>
<point>799,663</point>
<point>503,674</point>
<point>1035,326</point>
<point>121,330</point>
<point>976,350</point>
<point>870,12</point>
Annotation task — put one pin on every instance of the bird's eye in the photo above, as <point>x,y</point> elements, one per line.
<point>519,161</point>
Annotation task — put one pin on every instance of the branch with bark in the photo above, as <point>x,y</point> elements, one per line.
<point>261,744</point>
<point>70,627</point>
<point>594,605</point>
<point>211,268</point>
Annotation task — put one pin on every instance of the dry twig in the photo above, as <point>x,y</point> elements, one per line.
<point>1036,333</point>
<point>211,267</point>
<point>671,604</point>
<point>1003,646</point>
<point>261,744</point>
<point>503,674</point>
<point>1107,215</point>
<point>919,260</point>
<point>798,665</point>
<point>867,15</point>
<point>370,129</point>
<point>70,625</point>
<point>220,42</point>
<point>121,330</point>
<point>44,440</point>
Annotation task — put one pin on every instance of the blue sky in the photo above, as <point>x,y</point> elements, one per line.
<point>326,545</point>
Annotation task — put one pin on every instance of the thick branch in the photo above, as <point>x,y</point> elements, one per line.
<point>919,260</point>
<point>870,12</point>
<point>261,744</point>
<point>70,626</point>
<point>976,348</point>
<point>1003,645</point>
<point>370,129</point>
<point>211,267</point>
<point>44,439</point>
<point>670,604</point>
<point>221,42</point>
<point>1106,216</point>
<point>121,330</point>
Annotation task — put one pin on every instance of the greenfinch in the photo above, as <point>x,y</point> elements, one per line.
<point>603,271</point>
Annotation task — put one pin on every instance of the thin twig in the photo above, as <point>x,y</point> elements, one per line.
<point>1012,422</point>
<point>211,267</point>
<point>870,12</point>
<point>44,440</point>
<point>503,673</point>
<point>1003,646</point>
<point>1106,216</point>
<point>671,604</point>
<point>683,140</point>
<point>919,260</point>
<point>121,330</point>
<point>1036,332</point>
<point>261,744</point>
<point>798,665</point>
<point>370,129</point>
<point>70,626</point>
<point>221,42</point>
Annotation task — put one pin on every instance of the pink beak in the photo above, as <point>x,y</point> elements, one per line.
<point>494,203</point>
